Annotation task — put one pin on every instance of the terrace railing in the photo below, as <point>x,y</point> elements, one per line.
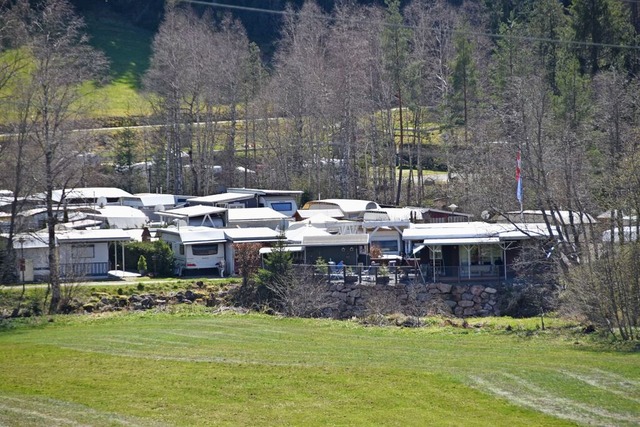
<point>86,269</point>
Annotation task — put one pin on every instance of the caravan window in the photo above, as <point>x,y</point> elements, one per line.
<point>205,249</point>
<point>282,206</point>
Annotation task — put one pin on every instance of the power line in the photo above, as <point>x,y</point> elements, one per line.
<point>453,31</point>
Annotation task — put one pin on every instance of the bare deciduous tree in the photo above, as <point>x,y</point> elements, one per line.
<point>50,99</point>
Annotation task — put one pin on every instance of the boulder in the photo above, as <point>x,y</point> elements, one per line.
<point>467,296</point>
<point>445,288</point>
<point>476,289</point>
<point>451,303</point>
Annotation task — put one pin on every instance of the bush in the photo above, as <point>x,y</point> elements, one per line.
<point>157,254</point>
<point>142,263</point>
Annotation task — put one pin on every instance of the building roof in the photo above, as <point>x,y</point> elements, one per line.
<point>565,216</point>
<point>254,214</point>
<point>450,233</point>
<point>263,192</point>
<point>41,238</point>
<point>336,240</point>
<point>30,240</point>
<point>192,211</point>
<point>347,206</point>
<point>154,199</point>
<point>191,235</point>
<point>89,193</point>
<point>120,216</point>
<point>102,235</point>
<point>221,198</point>
<point>423,211</point>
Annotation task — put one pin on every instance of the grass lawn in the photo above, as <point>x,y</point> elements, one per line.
<point>195,368</point>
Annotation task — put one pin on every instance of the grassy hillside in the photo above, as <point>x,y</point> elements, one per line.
<point>128,49</point>
<point>193,368</point>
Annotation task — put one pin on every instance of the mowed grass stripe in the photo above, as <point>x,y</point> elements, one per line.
<point>543,398</point>
<point>35,411</point>
<point>609,383</point>
<point>246,370</point>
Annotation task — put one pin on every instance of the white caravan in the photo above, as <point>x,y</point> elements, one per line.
<point>195,248</point>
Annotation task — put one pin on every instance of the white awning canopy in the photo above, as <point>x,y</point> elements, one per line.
<point>462,241</point>
<point>285,249</point>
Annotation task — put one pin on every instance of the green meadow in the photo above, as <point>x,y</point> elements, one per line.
<point>128,50</point>
<point>198,367</point>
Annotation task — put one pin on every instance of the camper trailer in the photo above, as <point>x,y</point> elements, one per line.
<point>195,248</point>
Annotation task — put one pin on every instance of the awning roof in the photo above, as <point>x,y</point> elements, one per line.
<point>463,241</point>
<point>336,240</point>
<point>251,235</point>
<point>286,249</point>
<point>221,198</point>
<point>255,214</point>
<point>192,211</point>
<point>266,192</point>
<point>474,232</point>
<point>418,249</point>
<point>189,235</point>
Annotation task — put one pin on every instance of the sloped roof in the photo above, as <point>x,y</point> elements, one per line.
<point>254,214</point>
<point>89,193</point>
<point>191,211</point>
<point>221,198</point>
<point>30,240</point>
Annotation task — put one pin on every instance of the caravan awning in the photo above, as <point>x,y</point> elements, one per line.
<point>418,249</point>
<point>285,249</point>
<point>462,241</point>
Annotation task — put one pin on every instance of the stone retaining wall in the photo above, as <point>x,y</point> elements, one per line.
<point>353,299</point>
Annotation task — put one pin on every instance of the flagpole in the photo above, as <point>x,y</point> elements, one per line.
<point>519,184</point>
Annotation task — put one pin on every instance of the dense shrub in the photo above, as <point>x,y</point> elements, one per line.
<point>158,254</point>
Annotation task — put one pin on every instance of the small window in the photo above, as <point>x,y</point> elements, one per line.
<point>387,246</point>
<point>436,251</point>
<point>282,206</point>
<point>204,249</point>
<point>181,248</point>
<point>83,251</point>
